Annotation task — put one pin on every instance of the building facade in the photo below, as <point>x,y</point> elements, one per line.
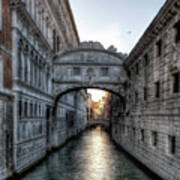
<point>6,98</point>
<point>150,128</point>
<point>71,116</point>
<point>32,32</point>
<point>39,44</point>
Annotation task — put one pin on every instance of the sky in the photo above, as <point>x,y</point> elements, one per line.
<point>114,22</point>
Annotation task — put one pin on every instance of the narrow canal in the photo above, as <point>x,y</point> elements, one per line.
<point>92,156</point>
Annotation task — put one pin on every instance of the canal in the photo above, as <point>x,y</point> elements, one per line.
<point>92,156</point>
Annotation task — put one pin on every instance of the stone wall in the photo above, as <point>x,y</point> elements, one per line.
<point>71,117</point>
<point>6,136</point>
<point>6,43</point>
<point>150,127</point>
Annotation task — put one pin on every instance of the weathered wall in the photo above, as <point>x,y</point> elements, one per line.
<point>6,136</point>
<point>71,117</point>
<point>89,65</point>
<point>6,43</point>
<point>150,128</point>
<point>38,31</point>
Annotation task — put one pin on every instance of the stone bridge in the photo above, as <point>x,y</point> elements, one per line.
<point>104,123</point>
<point>89,66</point>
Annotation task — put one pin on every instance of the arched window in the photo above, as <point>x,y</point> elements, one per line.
<point>20,108</point>
<point>31,109</point>
<point>25,69</point>
<point>54,40</point>
<point>19,68</point>
<point>25,109</point>
<point>58,43</point>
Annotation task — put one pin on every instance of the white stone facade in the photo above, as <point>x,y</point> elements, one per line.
<point>89,66</point>
<point>39,31</point>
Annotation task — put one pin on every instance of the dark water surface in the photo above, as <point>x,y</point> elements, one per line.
<point>91,157</point>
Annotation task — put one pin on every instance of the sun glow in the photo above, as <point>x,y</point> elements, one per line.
<point>97,94</point>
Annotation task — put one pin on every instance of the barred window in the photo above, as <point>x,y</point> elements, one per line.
<point>172,144</point>
<point>142,135</point>
<point>154,138</point>
<point>20,108</point>
<point>31,109</point>
<point>76,71</point>
<point>25,109</point>
<point>137,68</point>
<point>104,71</point>
<point>157,89</point>
<point>145,94</point>
<point>146,60</point>
<point>159,47</point>
<point>54,40</point>
<point>58,43</point>
<point>176,82</point>
<point>177,28</point>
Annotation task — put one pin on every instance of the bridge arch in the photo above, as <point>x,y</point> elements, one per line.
<point>122,99</point>
<point>89,66</point>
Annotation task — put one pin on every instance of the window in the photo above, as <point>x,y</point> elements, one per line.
<point>58,43</point>
<point>176,83</point>
<point>76,71</point>
<point>136,97</point>
<point>142,135</point>
<point>157,89</point>
<point>25,109</point>
<point>20,109</point>
<point>177,28</point>
<point>172,144</point>
<point>137,68</point>
<point>35,110</point>
<point>145,93</point>
<point>134,132</point>
<point>39,110</point>
<point>26,70</point>
<point>154,138</point>
<point>31,109</point>
<point>54,40</point>
<point>104,71</point>
<point>159,47</point>
<point>146,60</point>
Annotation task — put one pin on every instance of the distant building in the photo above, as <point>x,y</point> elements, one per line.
<point>99,110</point>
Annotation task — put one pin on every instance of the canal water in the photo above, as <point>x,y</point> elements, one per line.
<point>92,156</point>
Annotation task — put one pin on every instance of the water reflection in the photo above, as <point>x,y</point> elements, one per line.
<point>91,157</point>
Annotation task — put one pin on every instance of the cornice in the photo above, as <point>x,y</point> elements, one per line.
<point>72,20</point>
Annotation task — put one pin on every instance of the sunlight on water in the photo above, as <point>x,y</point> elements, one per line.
<point>98,156</point>
<point>91,157</point>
